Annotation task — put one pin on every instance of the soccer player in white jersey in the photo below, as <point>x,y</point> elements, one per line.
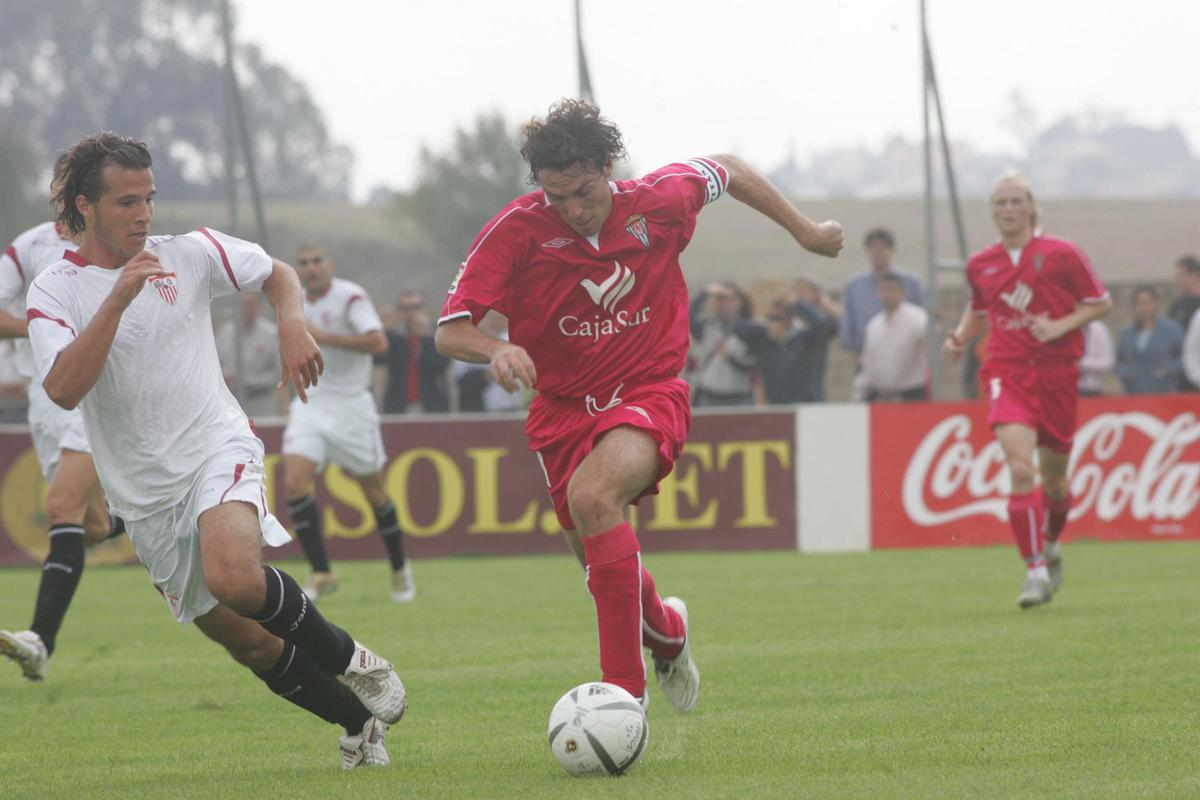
<point>340,423</point>
<point>76,512</point>
<point>122,330</point>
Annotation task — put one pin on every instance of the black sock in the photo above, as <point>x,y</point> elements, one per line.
<point>306,522</point>
<point>118,527</point>
<point>297,678</point>
<point>289,615</point>
<point>393,537</point>
<point>60,576</point>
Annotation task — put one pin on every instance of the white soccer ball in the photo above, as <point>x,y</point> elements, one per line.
<point>598,729</point>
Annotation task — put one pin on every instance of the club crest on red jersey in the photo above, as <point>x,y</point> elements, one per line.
<point>636,225</point>
<point>1038,260</point>
<point>167,287</point>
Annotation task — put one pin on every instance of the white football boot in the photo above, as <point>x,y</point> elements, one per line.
<point>27,649</point>
<point>365,749</point>
<point>1054,564</point>
<point>318,584</point>
<point>679,678</point>
<point>376,684</point>
<point>1034,591</point>
<point>404,589</point>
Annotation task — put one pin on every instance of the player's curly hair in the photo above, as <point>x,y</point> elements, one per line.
<point>573,134</point>
<point>79,170</point>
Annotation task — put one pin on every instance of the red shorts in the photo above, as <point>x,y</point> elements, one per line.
<point>562,432</point>
<point>1041,396</point>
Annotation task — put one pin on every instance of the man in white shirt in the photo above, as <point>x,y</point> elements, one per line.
<point>1191,350</point>
<point>76,512</point>
<point>122,330</point>
<point>259,340</point>
<point>895,358</point>
<point>341,423</point>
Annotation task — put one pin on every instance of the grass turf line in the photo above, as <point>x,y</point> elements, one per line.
<point>890,674</point>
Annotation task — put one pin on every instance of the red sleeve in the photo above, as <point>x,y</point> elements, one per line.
<point>482,280</point>
<point>1084,282</point>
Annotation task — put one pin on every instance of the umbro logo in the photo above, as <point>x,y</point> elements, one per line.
<point>554,244</point>
<point>1019,298</point>
<point>613,289</point>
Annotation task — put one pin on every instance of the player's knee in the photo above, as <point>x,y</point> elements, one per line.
<point>1055,486</point>
<point>1023,475</point>
<point>295,485</point>
<point>94,532</point>
<point>589,505</point>
<point>62,509</point>
<point>240,586</point>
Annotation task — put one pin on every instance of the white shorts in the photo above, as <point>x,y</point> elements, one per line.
<point>336,429</point>
<point>53,429</point>
<point>168,543</point>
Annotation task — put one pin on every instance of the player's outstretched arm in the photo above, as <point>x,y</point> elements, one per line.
<point>78,366</point>
<point>969,326</point>
<point>374,342</point>
<point>751,187</point>
<point>300,361</point>
<point>510,364</point>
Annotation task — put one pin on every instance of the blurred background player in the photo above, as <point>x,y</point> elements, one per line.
<point>76,511</point>
<point>340,423</point>
<point>122,330</point>
<point>259,394</point>
<point>586,269</point>
<point>1037,292</point>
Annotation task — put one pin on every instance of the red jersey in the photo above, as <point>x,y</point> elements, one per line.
<point>1050,277</point>
<point>593,315</point>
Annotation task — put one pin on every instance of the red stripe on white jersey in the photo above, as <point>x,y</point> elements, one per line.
<point>32,314</point>
<point>224,258</point>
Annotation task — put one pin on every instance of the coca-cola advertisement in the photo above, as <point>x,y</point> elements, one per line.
<point>938,477</point>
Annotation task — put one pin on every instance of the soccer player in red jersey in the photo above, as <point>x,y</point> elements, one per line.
<point>1037,292</point>
<point>587,271</point>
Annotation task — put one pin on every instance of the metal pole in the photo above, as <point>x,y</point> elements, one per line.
<point>930,242</point>
<point>239,114</point>
<point>231,114</point>
<point>585,78</point>
<point>951,182</point>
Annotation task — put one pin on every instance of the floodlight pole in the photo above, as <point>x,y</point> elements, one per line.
<point>233,103</point>
<point>929,90</point>
<point>585,78</point>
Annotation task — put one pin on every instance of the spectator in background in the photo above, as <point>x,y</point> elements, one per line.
<point>723,373</point>
<point>790,349</point>
<point>861,297</point>
<point>1183,309</point>
<point>260,395</point>
<point>417,374</point>
<point>1098,359</point>
<point>895,355</point>
<point>1191,351</point>
<point>477,389</point>
<point>1149,350</point>
<point>14,388</point>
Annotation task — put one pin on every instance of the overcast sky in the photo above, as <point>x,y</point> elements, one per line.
<point>756,77</point>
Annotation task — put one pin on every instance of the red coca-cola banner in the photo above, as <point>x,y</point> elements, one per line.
<point>938,477</point>
<point>472,486</point>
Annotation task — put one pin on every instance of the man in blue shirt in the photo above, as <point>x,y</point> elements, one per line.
<point>861,299</point>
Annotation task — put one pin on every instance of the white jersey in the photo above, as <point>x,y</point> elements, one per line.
<point>37,248</point>
<point>344,310</point>
<point>160,408</point>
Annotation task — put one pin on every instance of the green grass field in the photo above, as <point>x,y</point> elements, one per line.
<point>891,674</point>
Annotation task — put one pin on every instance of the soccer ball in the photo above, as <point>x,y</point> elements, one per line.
<point>598,729</point>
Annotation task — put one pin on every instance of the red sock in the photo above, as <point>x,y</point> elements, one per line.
<point>662,627</point>
<point>1024,515</point>
<point>1056,510</point>
<point>614,577</point>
